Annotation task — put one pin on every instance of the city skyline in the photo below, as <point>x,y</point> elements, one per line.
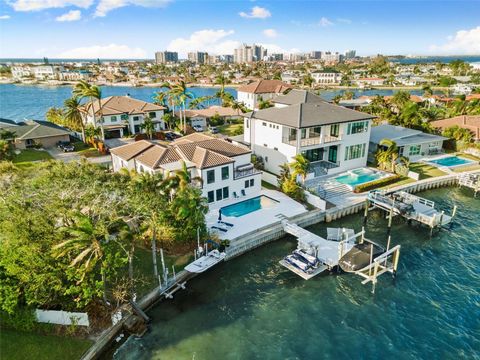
<point>104,28</point>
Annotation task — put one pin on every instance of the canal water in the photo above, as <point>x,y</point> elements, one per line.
<point>18,102</point>
<point>253,308</point>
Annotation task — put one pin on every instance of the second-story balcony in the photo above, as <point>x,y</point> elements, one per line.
<point>311,141</point>
<point>244,171</point>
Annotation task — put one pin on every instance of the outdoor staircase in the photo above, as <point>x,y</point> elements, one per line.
<point>328,191</point>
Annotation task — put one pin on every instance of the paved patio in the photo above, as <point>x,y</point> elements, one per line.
<point>286,207</point>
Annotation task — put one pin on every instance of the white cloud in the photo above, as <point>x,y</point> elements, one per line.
<point>4,17</point>
<point>463,42</point>
<point>104,6</point>
<point>324,22</point>
<point>112,51</point>
<point>209,40</point>
<point>34,5</point>
<point>344,21</point>
<point>256,13</point>
<point>271,33</point>
<point>276,49</point>
<point>72,15</point>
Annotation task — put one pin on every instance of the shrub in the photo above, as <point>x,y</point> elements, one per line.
<point>216,120</point>
<point>22,319</point>
<point>376,184</point>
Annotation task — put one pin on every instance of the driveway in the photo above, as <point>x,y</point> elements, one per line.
<point>113,143</point>
<point>58,154</point>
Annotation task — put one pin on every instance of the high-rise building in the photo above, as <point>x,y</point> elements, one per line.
<point>350,54</point>
<point>316,55</point>
<point>198,57</point>
<point>162,57</point>
<point>248,54</point>
<point>275,57</point>
<point>331,57</point>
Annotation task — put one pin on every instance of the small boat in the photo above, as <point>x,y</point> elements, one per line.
<point>359,256</point>
<point>297,263</point>
<point>312,260</point>
<point>205,262</point>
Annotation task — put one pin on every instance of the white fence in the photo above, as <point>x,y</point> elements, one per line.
<point>315,201</point>
<point>270,178</point>
<point>62,317</point>
<point>413,175</point>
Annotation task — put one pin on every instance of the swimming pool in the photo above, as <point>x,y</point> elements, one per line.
<point>451,161</point>
<point>356,177</point>
<point>248,206</point>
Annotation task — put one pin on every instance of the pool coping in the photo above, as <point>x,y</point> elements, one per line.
<point>245,200</point>
<point>440,166</point>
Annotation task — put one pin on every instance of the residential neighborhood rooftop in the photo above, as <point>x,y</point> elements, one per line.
<point>402,136</point>
<point>34,129</point>
<point>265,87</point>
<point>296,97</point>
<point>115,105</point>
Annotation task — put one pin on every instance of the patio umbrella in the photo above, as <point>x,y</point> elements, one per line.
<point>219,215</point>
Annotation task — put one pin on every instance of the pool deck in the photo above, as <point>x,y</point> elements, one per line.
<point>448,169</point>
<point>286,207</point>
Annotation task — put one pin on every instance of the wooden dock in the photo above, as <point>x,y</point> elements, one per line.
<point>471,181</point>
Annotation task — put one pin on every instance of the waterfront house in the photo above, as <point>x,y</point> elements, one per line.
<point>469,122</point>
<point>411,143</point>
<point>200,117</point>
<point>327,77</point>
<point>251,94</point>
<point>331,137</point>
<point>225,169</point>
<point>121,115</point>
<point>33,133</point>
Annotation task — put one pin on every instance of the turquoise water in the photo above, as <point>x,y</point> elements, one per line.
<point>36,100</point>
<point>248,206</point>
<point>253,308</point>
<point>357,177</point>
<point>451,161</point>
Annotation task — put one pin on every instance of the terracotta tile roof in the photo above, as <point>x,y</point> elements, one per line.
<point>192,138</point>
<point>472,97</point>
<point>204,158</point>
<point>129,151</point>
<point>211,111</point>
<point>264,87</point>
<point>470,122</point>
<point>219,146</point>
<point>158,155</point>
<point>114,105</point>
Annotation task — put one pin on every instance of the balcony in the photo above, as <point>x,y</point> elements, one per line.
<point>317,140</point>
<point>328,138</point>
<point>244,171</point>
<point>320,168</point>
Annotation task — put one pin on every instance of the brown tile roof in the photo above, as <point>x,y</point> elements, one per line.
<point>219,146</point>
<point>192,138</point>
<point>265,86</point>
<point>129,151</point>
<point>114,105</point>
<point>204,158</point>
<point>470,122</point>
<point>158,155</point>
<point>211,111</point>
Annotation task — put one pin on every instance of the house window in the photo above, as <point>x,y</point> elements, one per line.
<point>247,183</point>
<point>264,123</point>
<point>211,196</point>
<point>136,118</point>
<point>357,127</point>
<point>152,114</point>
<point>247,123</point>
<point>225,173</point>
<point>303,133</point>
<point>414,150</point>
<point>210,176</point>
<point>313,154</point>
<point>113,118</point>
<point>225,192</point>
<point>334,130</point>
<point>315,131</point>
<point>252,182</point>
<point>355,151</point>
<point>219,194</point>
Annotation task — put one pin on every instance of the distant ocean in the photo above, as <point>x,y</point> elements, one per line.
<point>442,59</point>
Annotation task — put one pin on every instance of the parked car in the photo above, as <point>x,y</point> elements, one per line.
<point>197,128</point>
<point>214,130</point>
<point>171,136</point>
<point>61,144</point>
<point>68,148</point>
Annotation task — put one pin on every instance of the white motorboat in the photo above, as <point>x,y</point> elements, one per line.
<point>205,262</point>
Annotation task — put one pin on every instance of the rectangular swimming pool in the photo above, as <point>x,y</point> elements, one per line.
<point>248,206</point>
<point>359,176</point>
<point>451,161</point>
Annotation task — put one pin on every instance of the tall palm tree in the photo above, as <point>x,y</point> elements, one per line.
<point>180,91</point>
<point>85,90</point>
<point>148,126</point>
<point>300,166</point>
<point>222,81</point>
<point>86,239</point>
<point>73,115</point>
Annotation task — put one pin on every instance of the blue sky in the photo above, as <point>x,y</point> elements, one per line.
<point>137,28</point>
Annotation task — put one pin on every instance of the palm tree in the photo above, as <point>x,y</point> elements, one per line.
<point>56,115</point>
<point>180,90</point>
<point>222,81</point>
<point>300,166</point>
<point>389,153</point>
<point>86,240</point>
<point>148,126</point>
<point>73,115</point>
<point>85,90</point>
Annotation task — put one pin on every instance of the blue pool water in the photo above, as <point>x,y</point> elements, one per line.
<point>248,206</point>
<point>451,161</point>
<point>357,177</point>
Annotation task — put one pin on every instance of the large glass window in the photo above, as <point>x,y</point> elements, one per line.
<point>315,131</point>
<point>334,129</point>
<point>247,184</point>
<point>313,154</point>
<point>219,194</point>
<point>225,173</point>
<point>152,114</point>
<point>414,150</point>
<point>225,192</point>
<point>355,151</point>
<point>357,127</point>
<point>211,196</point>
<point>113,118</point>
<point>303,133</point>
<point>210,176</point>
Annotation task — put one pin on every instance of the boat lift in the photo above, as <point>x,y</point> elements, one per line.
<point>471,181</point>
<point>410,207</point>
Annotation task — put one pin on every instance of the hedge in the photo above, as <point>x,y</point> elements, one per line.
<point>376,184</point>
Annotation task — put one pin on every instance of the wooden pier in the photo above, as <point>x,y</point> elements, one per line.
<point>471,181</point>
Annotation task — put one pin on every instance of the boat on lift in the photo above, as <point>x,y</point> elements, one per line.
<point>206,261</point>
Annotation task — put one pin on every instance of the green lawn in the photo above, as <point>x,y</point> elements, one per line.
<point>231,130</point>
<point>26,346</point>
<point>426,171</point>
<point>268,186</point>
<point>29,155</point>
<point>401,181</point>
<point>89,152</point>
<point>468,156</point>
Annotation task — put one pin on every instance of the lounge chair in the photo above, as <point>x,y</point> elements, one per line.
<point>243,192</point>
<point>235,195</point>
<point>218,228</point>
<point>225,223</point>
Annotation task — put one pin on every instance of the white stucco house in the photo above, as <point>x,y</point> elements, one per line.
<point>327,77</point>
<point>331,137</point>
<point>121,115</point>
<point>251,94</point>
<point>411,143</point>
<point>225,168</point>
